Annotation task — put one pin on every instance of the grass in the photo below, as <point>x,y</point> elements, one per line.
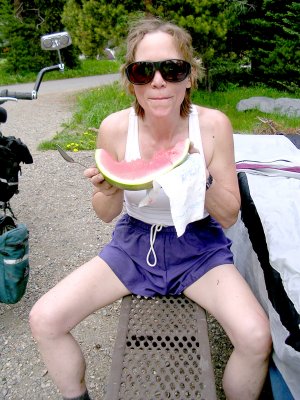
<point>246,121</point>
<point>91,108</point>
<point>94,105</point>
<point>87,67</point>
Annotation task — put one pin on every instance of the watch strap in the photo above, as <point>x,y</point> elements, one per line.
<point>209,181</point>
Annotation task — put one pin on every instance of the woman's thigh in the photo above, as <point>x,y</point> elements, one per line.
<point>87,289</point>
<point>225,294</point>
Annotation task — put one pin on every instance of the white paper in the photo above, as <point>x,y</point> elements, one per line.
<point>185,187</point>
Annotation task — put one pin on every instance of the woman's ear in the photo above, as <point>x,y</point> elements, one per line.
<point>189,82</point>
<point>131,89</point>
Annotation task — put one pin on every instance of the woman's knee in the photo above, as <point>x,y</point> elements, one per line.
<point>44,321</point>
<point>254,337</point>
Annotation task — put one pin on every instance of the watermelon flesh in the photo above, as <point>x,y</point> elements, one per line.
<point>139,174</point>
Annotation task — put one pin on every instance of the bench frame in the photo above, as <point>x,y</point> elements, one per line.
<point>161,351</point>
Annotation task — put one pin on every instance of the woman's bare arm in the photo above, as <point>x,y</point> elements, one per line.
<point>107,200</point>
<point>222,199</point>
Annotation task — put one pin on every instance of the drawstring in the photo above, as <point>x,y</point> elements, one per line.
<point>154,229</point>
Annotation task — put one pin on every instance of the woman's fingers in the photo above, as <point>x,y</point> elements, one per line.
<point>192,148</point>
<point>90,172</point>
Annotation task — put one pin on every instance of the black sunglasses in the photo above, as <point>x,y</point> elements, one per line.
<point>142,72</point>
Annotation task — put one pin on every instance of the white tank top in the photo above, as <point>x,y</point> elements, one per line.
<point>159,212</point>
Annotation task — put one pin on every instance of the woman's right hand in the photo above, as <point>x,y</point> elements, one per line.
<point>99,183</point>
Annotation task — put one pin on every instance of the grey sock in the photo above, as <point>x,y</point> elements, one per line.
<point>84,396</point>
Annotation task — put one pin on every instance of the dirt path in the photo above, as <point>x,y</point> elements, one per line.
<point>37,120</point>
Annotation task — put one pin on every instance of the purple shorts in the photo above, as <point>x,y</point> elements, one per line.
<point>180,261</point>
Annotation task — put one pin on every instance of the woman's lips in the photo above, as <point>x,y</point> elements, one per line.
<point>159,98</point>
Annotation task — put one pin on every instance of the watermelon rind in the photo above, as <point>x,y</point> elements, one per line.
<point>146,181</point>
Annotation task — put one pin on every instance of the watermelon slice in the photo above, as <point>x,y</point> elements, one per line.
<point>139,174</point>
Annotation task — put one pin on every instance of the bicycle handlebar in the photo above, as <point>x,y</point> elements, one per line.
<point>6,94</point>
<point>59,67</point>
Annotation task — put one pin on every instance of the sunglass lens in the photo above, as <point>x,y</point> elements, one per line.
<point>140,73</point>
<point>174,70</point>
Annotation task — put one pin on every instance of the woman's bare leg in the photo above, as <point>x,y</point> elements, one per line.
<point>87,289</point>
<point>224,293</point>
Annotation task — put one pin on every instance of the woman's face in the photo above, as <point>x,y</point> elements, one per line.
<point>159,97</point>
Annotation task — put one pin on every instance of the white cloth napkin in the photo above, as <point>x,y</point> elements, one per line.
<point>185,187</point>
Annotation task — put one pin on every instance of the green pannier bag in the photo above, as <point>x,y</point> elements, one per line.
<point>14,260</point>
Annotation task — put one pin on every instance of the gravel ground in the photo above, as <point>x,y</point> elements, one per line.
<point>54,202</point>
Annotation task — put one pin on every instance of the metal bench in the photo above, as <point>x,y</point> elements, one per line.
<point>161,351</point>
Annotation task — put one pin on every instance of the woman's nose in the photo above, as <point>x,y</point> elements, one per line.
<point>158,80</point>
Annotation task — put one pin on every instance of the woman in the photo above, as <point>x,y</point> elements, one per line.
<point>160,72</point>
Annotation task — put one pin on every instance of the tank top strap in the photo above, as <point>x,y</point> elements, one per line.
<point>132,151</point>
<point>194,129</point>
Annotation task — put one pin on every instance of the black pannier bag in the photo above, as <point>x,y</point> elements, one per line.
<point>14,244</point>
<point>12,153</point>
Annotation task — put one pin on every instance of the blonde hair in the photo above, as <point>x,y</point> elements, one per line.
<point>183,42</point>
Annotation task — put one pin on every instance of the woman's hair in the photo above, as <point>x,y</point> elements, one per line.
<point>183,42</point>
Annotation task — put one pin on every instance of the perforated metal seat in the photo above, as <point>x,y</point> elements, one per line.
<point>161,351</point>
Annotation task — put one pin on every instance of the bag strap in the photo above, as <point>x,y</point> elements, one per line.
<point>5,205</point>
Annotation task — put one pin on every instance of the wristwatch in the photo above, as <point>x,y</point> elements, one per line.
<point>209,181</point>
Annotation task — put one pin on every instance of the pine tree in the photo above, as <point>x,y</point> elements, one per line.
<point>97,23</point>
<point>23,23</point>
<point>276,45</point>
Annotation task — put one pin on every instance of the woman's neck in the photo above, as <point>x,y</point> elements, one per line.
<point>161,134</point>
<point>164,130</point>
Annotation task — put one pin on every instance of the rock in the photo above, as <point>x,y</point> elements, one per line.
<point>282,106</point>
